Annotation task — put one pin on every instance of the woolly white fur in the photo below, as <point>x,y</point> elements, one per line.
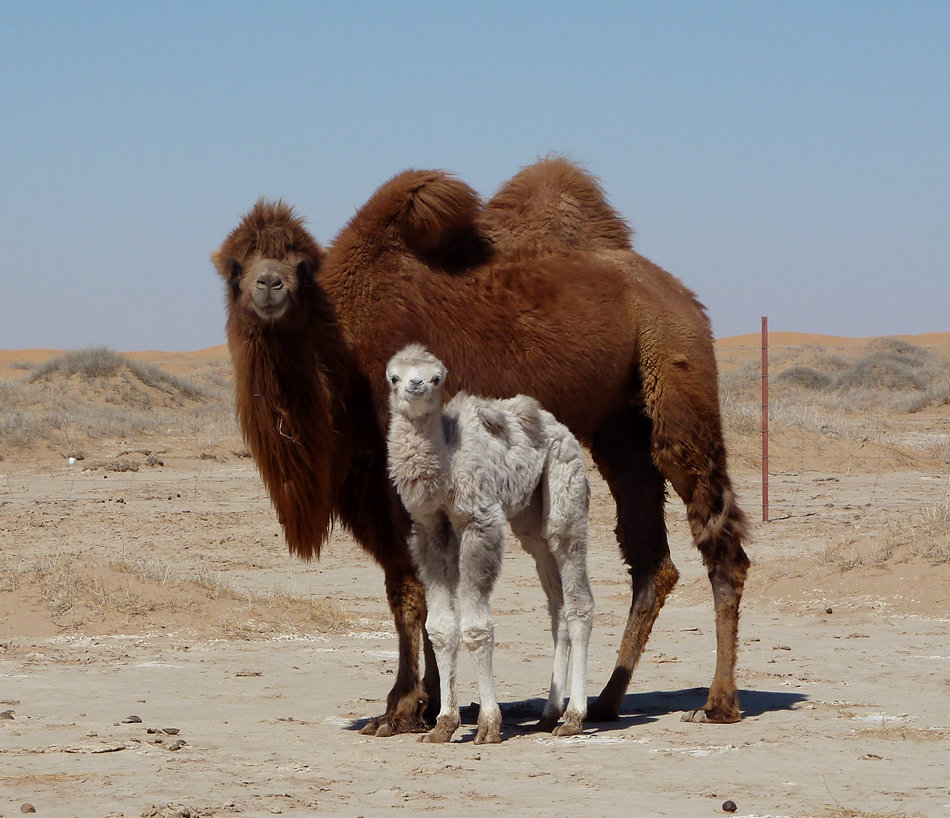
<point>461,472</point>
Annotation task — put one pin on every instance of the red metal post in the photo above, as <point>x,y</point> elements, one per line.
<point>765,419</point>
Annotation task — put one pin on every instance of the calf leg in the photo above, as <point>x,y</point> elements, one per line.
<point>482,543</point>
<point>435,552</point>
<point>578,611</point>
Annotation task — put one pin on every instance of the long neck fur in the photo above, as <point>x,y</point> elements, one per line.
<point>419,461</point>
<point>282,377</point>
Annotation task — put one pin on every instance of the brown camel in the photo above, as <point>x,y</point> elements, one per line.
<point>536,292</point>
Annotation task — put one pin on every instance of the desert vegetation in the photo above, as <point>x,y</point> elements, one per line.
<point>97,394</point>
<point>866,395</point>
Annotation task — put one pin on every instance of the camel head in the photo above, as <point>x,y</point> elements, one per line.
<point>415,379</point>
<point>269,262</point>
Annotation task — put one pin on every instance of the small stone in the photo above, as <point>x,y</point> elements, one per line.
<point>177,744</point>
<point>132,720</point>
<point>172,731</point>
<point>7,714</point>
<point>729,806</point>
<point>829,610</point>
<point>26,806</point>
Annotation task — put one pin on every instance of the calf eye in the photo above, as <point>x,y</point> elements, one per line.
<point>394,379</point>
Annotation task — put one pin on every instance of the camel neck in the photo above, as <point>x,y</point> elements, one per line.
<point>418,461</point>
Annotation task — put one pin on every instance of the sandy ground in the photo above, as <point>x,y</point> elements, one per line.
<point>161,654</point>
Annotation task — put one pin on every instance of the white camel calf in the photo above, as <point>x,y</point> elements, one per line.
<point>461,472</point>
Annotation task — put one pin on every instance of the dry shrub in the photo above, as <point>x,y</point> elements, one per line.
<point>821,392</point>
<point>804,377</point>
<point>926,535</point>
<point>98,394</point>
<point>80,596</point>
<point>100,362</point>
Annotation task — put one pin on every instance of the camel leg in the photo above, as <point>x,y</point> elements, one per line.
<point>554,530</point>
<point>563,575</point>
<point>482,543</point>
<point>718,526</point>
<point>578,610</point>
<point>621,451</point>
<point>435,551</point>
<point>567,494</point>
<point>403,712</point>
<point>695,465</point>
<point>551,583</point>
<point>384,536</point>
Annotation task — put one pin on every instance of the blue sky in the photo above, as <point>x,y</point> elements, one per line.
<point>784,159</point>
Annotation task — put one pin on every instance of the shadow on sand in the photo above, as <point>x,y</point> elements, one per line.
<point>637,709</point>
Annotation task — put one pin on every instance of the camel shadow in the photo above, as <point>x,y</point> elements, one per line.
<point>642,708</point>
<point>520,717</point>
<point>666,702</point>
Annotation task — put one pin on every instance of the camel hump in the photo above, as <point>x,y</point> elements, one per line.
<point>497,417</point>
<point>554,206</point>
<point>272,229</point>
<point>429,208</point>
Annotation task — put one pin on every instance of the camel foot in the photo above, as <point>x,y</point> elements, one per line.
<point>546,724</point>
<point>443,731</point>
<point>713,715</point>
<point>386,726</point>
<point>601,711</point>
<point>487,736</point>
<point>489,727</point>
<point>569,728</point>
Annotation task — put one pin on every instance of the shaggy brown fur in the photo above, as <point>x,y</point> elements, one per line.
<point>536,293</point>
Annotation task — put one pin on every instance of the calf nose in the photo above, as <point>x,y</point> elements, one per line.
<point>415,385</point>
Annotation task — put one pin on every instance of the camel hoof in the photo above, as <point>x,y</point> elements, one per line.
<point>546,725</point>
<point>379,728</point>
<point>443,731</point>
<point>488,737</point>
<point>598,713</point>
<point>567,729</point>
<point>711,717</point>
<point>384,727</point>
<point>433,738</point>
<point>370,728</point>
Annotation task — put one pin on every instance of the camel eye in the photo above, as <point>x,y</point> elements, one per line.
<point>436,380</point>
<point>394,379</point>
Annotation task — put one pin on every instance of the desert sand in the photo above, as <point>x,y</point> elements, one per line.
<point>162,654</point>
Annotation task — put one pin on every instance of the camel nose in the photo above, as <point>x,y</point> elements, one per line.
<point>269,281</point>
<point>415,386</point>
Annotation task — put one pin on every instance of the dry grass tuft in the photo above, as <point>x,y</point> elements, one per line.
<point>82,597</point>
<point>926,535</point>
<point>824,394</point>
<point>923,536</point>
<point>96,394</point>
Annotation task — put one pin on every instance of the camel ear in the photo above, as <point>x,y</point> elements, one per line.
<point>308,268</point>
<point>234,270</point>
<point>228,268</point>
